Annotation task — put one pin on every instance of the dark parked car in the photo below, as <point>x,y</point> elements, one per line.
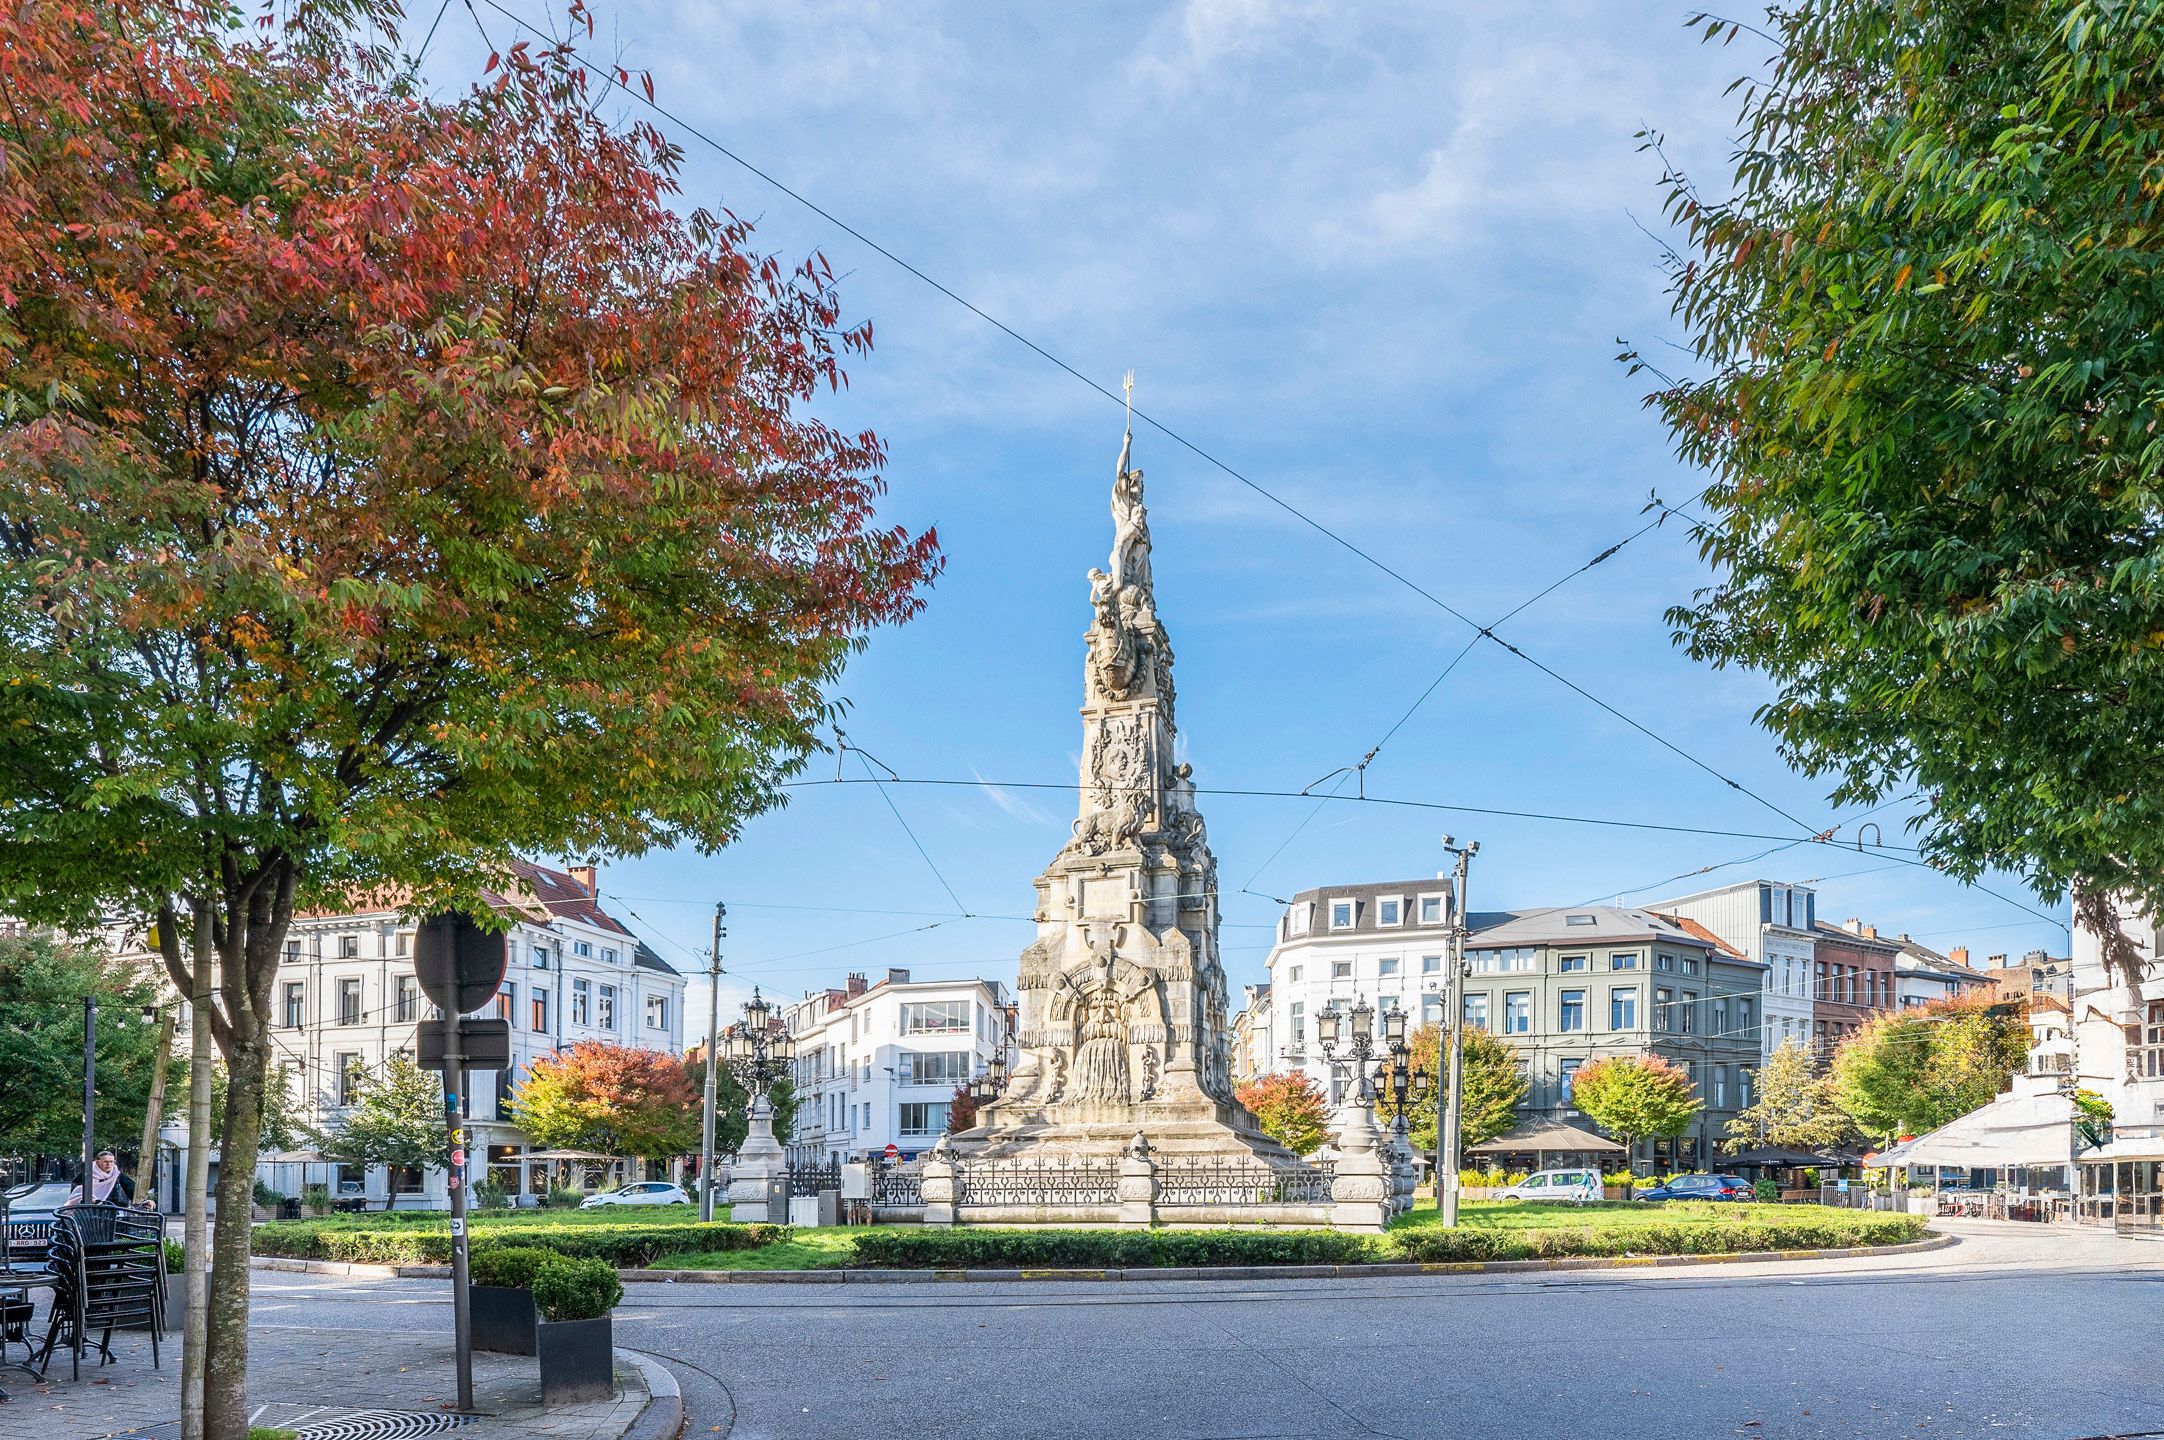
<point>1700,1187</point>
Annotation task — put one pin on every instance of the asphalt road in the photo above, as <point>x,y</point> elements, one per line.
<point>2018,1332</point>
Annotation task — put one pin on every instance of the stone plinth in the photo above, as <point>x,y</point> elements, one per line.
<point>759,1163</point>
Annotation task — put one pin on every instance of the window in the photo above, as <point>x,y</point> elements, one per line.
<point>1299,1024</point>
<point>1341,914</point>
<point>1623,1008</point>
<point>935,1017</point>
<point>1581,920</point>
<point>1387,966</point>
<point>1720,1016</point>
<point>403,945</point>
<point>866,1111</point>
<point>505,999</point>
<point>1743,1087</point>
<point>1720,1087</point>
<point>1476,1010</point>
<point>605,1008</point>
<point>1571,1011</point>
<point>349,1071</point>
<point>608,955</point>
<point>409,1000</point>
<point>947,1068</point>
<point>540,1016</point>
<point>1626,960</point>
<point>1341,969</point>
<point>293,952</point>
<point>1572,962</point>
<point>1690,964</point>
<point>1664,962</point>
<point>1292,976</point>
<point>1567,1073</point>
<point>296,1004</point>
<point>657,1012</point>
<point>1687,1013</point>
<point>922,1118</point>
<point>1664,1008</point>
<point>1298,918</point>
<point>540,957</point>
<point>349,1002</point>
<point>1743,1011</point>
<point>349,947</point>
<point>582,994</point>
<point>1431,1009</point>
<point>1431,909</point>
<point>583,949</point>
<point>1518,1012</point>
<point>1502,962</point>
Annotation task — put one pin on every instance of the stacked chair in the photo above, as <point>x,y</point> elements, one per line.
<point>108,1273</point>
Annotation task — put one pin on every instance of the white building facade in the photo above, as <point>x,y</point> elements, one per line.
<point>877,1065</point>
<point>1773,923</point>
<point>2118,1053</point>
<point>346,1001</point>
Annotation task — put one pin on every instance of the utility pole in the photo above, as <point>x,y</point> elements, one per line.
<point>713,1067</point>
<point>90,1090</point>
<point>1452,1098</point>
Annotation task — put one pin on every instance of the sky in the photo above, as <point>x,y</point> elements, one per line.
<point>1378,259</point>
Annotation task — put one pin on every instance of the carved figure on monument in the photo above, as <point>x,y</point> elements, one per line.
<point>1130,529</point>
<point>1100,1062</point>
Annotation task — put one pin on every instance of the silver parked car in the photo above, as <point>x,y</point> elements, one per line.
<point>639,1192</point>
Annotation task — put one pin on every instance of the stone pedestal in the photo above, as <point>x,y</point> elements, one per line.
<point>759,1163</point>
<point>1138,1185</point>
<point>936,1185</point>
<point>1360,1191</point>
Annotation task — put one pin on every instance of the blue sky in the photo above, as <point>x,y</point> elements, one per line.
<point>1377,258</point>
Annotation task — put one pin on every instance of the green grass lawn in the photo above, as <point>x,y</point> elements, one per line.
<point>1602,1215</point>
<point>825,1249</point>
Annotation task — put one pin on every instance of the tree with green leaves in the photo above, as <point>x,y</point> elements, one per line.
<point>43,983</point>
<point>1493,1079</point>
<point>1914,1070</point>
<point>391,483</point>
<point>1636,1097</point>
<point>732,1104</point>
<point>1928,319</point>
<point>395,1118</point>
<point>1290,1107</point>
<point>1795,1105</point>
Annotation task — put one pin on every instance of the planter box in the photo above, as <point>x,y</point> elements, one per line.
<point>578,1360</point>
<point>503,1319</point>
<point>1923,1205</point>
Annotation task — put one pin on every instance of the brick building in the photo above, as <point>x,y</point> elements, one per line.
<point>1852,979</point>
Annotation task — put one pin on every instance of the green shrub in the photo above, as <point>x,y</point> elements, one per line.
<point>568,1289</point>
<point>488,1195</point>
<point>316,1197</point>
<point>1764,1189</point>
<point>267,1196</point>
<point>271,1432</point>
<point>511,1266</point>
<point>994,1249</point>
<point>176,1258</point>
<point>426,1240</point>
<point>562,1197</point>
<point>1730,1232</point>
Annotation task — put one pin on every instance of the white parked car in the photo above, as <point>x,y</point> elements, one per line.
<point>639,1192</point>
<point>1576,1186</point>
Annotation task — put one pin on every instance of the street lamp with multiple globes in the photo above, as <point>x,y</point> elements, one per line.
<point>757,1050</point>
<point>1354,1032</point>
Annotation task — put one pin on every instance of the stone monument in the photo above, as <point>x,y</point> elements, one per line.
<point>1123,1033</point>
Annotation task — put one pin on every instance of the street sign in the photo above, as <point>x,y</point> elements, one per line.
<point>893,1150</point>
<point>482,1044</point>
<point>460,965</point>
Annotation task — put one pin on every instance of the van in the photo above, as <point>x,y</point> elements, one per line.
<point>1576,1186</point>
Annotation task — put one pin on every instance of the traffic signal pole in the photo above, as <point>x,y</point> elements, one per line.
<point>1452,1098</point>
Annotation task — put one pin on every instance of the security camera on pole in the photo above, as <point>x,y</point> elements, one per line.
<point>1452,1094</point>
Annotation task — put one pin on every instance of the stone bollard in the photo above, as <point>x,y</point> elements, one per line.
<point>937,1185</point>
<point>1360,1190</point>
<point>1138,1185</point>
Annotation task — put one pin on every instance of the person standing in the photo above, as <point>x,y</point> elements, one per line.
<point>109,1184</point>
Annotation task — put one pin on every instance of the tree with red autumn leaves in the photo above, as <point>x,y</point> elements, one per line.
<point>615,1099</point>
<point>388,485</point>
<point>1290,1107</point>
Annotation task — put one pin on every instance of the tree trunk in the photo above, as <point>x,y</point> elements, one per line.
<point>225,1389</point>
<point>194,1352</point>
<point>146,1157</point>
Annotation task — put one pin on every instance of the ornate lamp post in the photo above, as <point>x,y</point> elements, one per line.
<point>1354,1033</point>
<point>986,1087</point>
<point>758,1052</point>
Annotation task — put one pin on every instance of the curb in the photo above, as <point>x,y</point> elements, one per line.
<point>1385,1271</point>
<point>663,1415</point>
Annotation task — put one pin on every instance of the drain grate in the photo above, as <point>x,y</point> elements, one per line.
<point>382,1425</point>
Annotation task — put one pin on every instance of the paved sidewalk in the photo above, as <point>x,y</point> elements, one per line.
<point>305,1377</point>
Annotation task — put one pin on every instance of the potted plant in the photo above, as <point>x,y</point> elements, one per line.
<point>574,1338</point>
<point>501,1300</point>
<point>1923,1200</point>
<point>316,1199</point>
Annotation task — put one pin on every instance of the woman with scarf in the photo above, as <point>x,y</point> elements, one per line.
<point>108,1184</point>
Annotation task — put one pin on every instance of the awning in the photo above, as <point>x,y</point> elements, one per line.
<point>566,1155</point>
<point>2131,1147</point>
<point>1779,1156</point>
<point>1545,1137</point>
<point>2012,1130</point>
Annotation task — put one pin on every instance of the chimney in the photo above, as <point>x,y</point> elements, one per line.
<point>1871,931</point>
<point>856,986</point>
<point>1996,962</point>
<point>587,877</point>
<point>1959,955</point>
<point>1852,925</point>
<point>897,977</point>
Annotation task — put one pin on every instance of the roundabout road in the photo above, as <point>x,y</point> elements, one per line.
<point>2018,1331</point>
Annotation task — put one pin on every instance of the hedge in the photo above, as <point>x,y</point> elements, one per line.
<point>627,1246</point>
<point>994,1249</point>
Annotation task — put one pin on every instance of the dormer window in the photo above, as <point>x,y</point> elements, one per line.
<point>1341,914</point>
<point>1299,917</point>
<point>1390,911</point>
<point>1580,920</point>
<point>1431,909</point>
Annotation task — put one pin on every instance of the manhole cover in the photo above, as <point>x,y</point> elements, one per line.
<point>381,1425</point>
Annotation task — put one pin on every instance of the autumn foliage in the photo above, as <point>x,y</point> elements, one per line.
<point>1290,1107</point>
<point>1637,1097</point>
<point>612,1099</point>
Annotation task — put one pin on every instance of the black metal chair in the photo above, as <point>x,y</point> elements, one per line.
<point>108,1273</point>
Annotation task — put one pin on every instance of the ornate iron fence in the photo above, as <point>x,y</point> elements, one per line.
<point>898,1188</point>
<point>1198,1180</point>
<point>809,1178</point>
<point>1037,1182</point>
